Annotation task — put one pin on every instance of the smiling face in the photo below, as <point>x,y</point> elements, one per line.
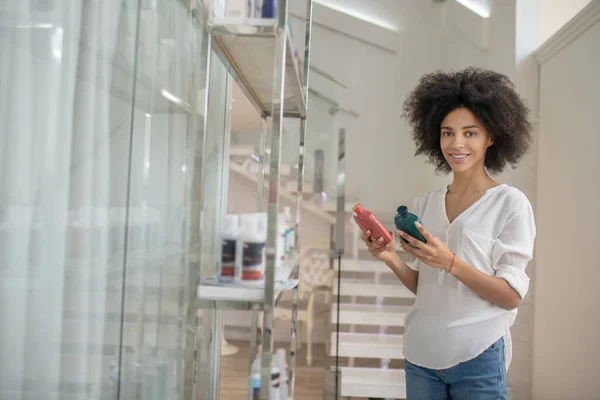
<point>464,140</point>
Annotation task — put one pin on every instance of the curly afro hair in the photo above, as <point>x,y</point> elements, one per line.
<point>490,96</point>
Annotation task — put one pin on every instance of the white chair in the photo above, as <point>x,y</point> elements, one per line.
<point>316,277</point>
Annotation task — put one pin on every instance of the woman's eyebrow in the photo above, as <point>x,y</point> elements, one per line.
<point>464,127</point>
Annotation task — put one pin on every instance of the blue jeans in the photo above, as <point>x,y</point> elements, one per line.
<point>483,377</point>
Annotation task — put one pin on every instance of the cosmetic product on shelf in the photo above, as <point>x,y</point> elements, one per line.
<point>280,360</point>
<point>228,266</point>
<point>242,8</point>
<point>255,378</point>
<point>254,8</point>
<point>251,241</point>
<point>275,390</point>
<point>269,9</point>
<point>236,8</point>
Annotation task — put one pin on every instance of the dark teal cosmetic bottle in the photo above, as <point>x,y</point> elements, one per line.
<point>405,222</point>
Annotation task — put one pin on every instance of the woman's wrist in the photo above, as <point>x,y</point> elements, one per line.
<point>458,268</point>
<point>394,262</point>
<point>452,263</point>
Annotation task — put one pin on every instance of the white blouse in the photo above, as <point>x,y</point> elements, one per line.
<point>449,323</point>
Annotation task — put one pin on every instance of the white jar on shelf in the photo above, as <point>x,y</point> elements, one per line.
<point>229,268</point>
<point>251,246</point>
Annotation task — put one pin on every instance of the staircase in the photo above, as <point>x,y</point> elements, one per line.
<point>244,162</point>
<point>372,303</point>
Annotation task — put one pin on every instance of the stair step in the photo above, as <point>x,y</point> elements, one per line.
<point>368,345</point>
<point>307,187</point>
<point>358,265</point>
<point>331,206</point>
<point>242,151</point>
<point>306,205</point>
<point>364,288</point>
<point>284,169</point>
<point>370,314</point>
<point>373,382</point>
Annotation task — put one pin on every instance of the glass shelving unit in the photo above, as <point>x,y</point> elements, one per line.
<point>259,55</point>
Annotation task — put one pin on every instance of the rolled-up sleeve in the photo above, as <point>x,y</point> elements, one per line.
<point>514,248</point>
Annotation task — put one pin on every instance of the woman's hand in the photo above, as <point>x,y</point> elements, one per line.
<point>434,253</point>
<point>386,253</point>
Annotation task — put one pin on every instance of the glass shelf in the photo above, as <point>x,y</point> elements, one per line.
<point>248,292</point>
<point>248,48</point>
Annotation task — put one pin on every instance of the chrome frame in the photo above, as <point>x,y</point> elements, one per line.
<point>278,30</point>
<point>198,340</point>
<point>273,207</point>
<point>340,242</point>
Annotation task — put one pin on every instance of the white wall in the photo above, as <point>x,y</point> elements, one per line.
<point>381,169</point>
<point>567,319</point>
<point>513,37</point>
<point>556,13</point>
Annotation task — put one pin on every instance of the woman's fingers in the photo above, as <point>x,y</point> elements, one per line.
<point>371,245</point>
<point>408,238</point>
<point>405,247</point>
<point>374,245</point>
<point>428,236</point>
<point>366,237</point>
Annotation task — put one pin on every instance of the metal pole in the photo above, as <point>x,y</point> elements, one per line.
<point>291,374</point>
<point>340,240</point>
<point>341,193</point>
<point>271,249</point>
<point>221,211</point>
<point>253,328</point>
<point>262,159</point>
<point>187,278</point>
<point>292,370</point>
<point>307,41</point>
<point>300,188</point>
<point>198,378</point>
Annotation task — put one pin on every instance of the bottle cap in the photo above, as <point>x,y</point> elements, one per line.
<point>358,208</point>
<point>402,211</point>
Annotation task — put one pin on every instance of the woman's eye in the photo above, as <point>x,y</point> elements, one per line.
<point>447,133</point>
<point>471,134</point>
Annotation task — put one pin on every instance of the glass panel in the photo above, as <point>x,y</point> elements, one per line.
<point>66,79</point>
<point>160,270</point>
<point>214,201</point>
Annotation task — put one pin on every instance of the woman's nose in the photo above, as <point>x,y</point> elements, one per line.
<point>458,143</point>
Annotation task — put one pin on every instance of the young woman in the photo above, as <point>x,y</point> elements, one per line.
<point>469,277</point>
